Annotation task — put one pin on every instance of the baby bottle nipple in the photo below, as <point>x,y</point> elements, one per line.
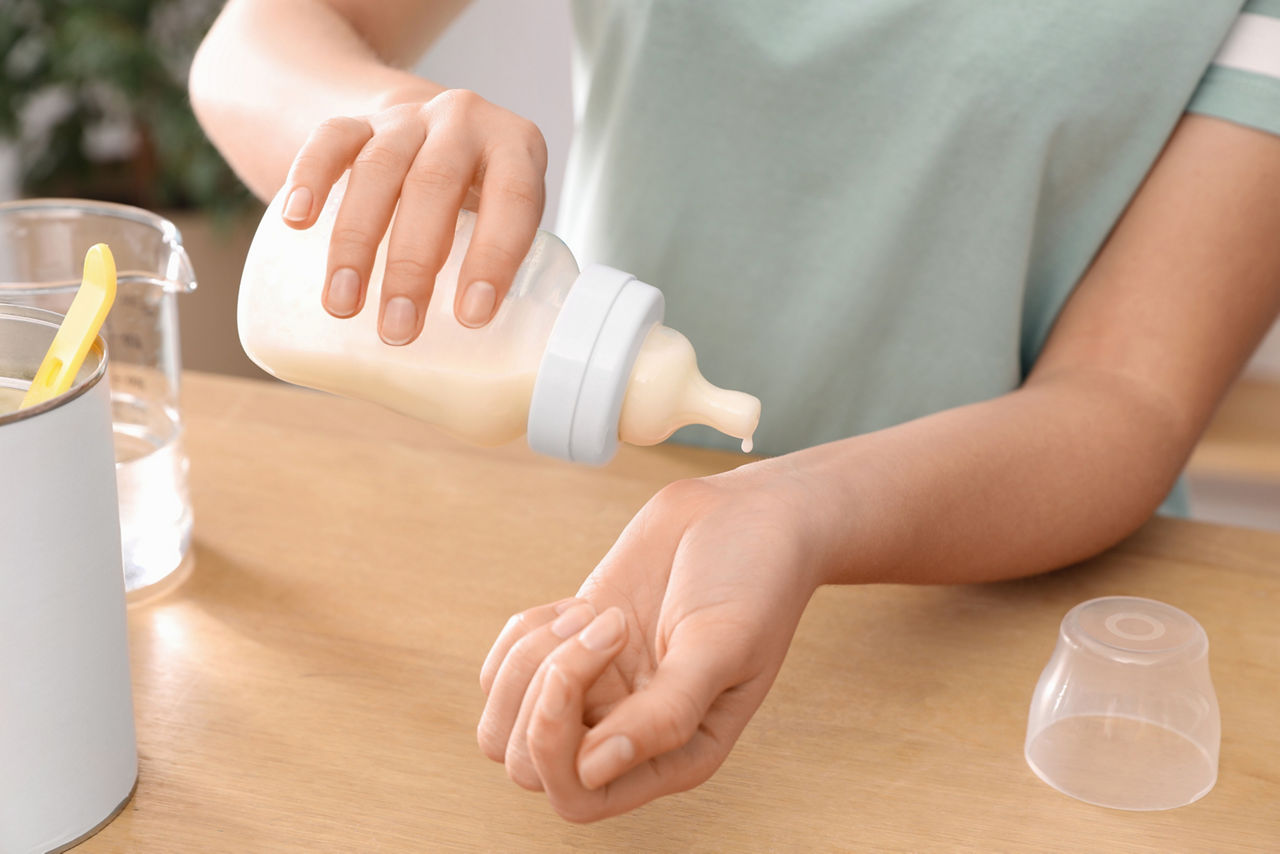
<point>611,371</point>
<point>667,392</point>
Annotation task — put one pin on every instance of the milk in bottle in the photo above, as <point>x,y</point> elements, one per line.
<point>575,360</point>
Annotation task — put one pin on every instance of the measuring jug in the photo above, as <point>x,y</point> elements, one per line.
<point>42,247</point>
<point>68,759</point>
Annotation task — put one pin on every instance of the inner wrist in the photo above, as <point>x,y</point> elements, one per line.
<point>797,501</point>
<point>842,518</point>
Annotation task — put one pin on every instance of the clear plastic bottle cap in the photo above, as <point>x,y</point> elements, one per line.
<point>1125,714</point>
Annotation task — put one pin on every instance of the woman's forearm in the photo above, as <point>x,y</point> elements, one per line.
<point>1080,456</point>
<point>270,71</point>
<point>1034,480</point>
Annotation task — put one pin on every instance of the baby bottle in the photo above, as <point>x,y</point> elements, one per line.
<point>575,360</point>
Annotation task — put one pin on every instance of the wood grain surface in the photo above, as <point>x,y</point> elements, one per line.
<point>312,687</point>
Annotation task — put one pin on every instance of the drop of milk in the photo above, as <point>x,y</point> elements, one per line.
<point>747,445</point>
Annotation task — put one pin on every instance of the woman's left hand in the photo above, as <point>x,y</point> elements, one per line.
<point>640,685</point>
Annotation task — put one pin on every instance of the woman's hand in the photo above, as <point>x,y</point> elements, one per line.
<point>639,687</point>
<point>431,158</point>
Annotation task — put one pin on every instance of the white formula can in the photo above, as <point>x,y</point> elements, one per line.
<point>68,758</point>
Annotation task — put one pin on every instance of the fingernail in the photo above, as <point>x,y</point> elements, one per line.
<point>344,292</point>
<point>603,632</point>
<point>398,320</point>
<point>298,205</point>
<point>572,621</point>
<point>555,693</point>
<point>477,304</point>
<point>603,764</point>
<point>561,607</point>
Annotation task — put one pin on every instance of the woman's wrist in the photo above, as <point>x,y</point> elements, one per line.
<point>847,518</point>
<point>404,88</point>
<point>822,511</point>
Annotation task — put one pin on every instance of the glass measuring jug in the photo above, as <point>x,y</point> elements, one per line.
<point>42,244</point>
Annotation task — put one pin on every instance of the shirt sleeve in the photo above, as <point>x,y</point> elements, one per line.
<point>1242,84</point>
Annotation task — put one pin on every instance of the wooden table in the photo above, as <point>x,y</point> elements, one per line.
<point>313,685</point>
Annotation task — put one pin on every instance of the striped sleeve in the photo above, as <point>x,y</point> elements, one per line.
<point>1243,83</point>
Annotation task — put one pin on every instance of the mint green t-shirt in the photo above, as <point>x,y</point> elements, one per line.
<point>865,212</point>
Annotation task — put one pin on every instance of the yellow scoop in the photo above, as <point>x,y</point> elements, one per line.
<point>79,328</point>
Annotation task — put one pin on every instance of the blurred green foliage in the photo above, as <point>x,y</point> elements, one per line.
<point>93,95</point>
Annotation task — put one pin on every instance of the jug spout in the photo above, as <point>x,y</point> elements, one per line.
<point>179,276</point>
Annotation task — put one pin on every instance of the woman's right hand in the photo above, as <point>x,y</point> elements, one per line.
<point>432,158</point>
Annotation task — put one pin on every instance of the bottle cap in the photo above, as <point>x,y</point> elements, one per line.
<point>578,392</point>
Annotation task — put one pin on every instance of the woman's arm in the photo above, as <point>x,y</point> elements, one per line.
<point>1081,455</point>
<point>689,616</point>
<point>298,92</point>
<point>270,71</point>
